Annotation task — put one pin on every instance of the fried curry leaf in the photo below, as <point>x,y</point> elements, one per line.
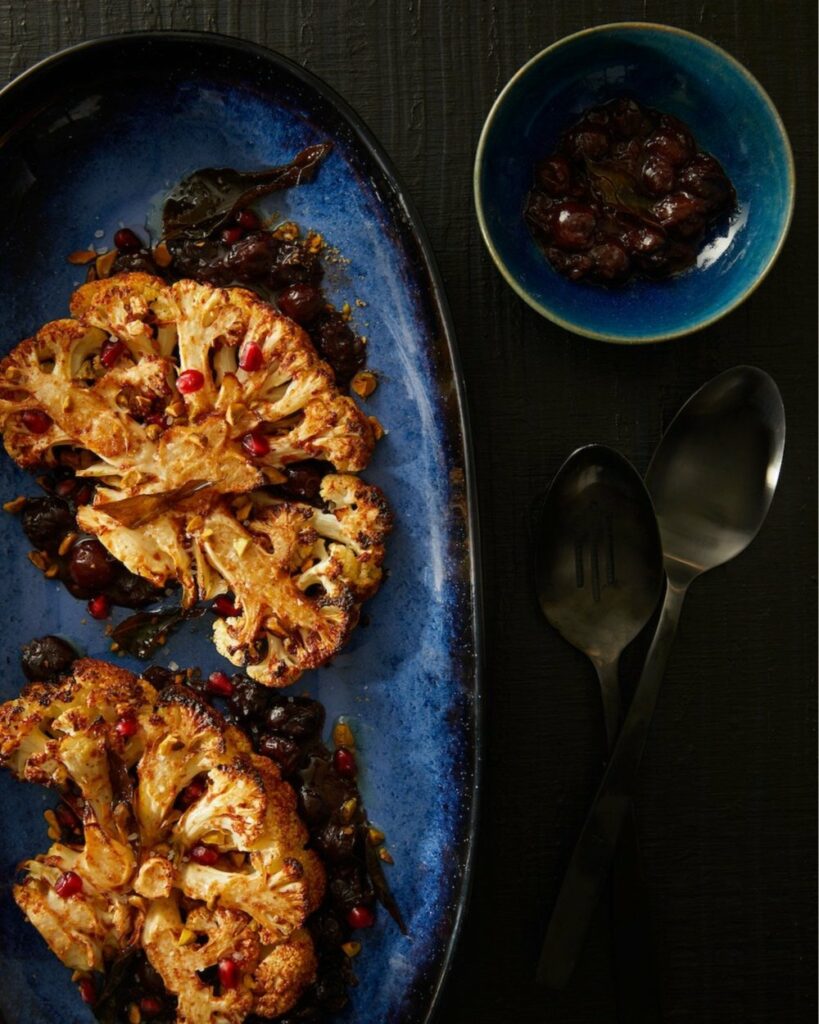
<point>142,633</point>
<point>206,199</point>
<point>618,188</point>
<point>381,885</point>
<point>107,1006</point>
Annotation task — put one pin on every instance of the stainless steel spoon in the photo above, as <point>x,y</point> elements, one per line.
<point>712,480</point>
<point>599,578</point>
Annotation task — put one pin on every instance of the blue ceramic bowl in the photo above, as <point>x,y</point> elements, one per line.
<point>731,117</point>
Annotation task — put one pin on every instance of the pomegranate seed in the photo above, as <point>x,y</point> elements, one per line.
<point>127,726</point>
<point>231,235</point>
<point>228,973</point>
<point>83,495</point>
<point>110,353</point>
<point>99,607</point>
<point>256,444</point>
<point>344,763</point>
<point>192,792</point>
<point>361,917</point>
<point>88,990</point>
<point>203,854</point>
<point>126,241</point>
<point>225,607</point>
<point>65,487</point>
<point>36,421</point>
<point>247,219</point>
<point>150,1006</point>
<point>219,684</point>
<point>189,381</point>
<point>66,817</point>
<point>68,884</point>
<point>251,357</point>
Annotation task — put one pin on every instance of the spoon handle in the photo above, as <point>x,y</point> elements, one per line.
<point>592,857</point>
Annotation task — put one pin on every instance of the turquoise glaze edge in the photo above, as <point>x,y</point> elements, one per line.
<point>410,679</point>
<point>731,115</point>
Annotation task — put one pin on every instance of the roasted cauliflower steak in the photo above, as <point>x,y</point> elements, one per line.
<point>146,383</point>
<point>139,877</point>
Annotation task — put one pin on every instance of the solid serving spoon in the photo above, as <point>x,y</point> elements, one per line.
<point>599,577</point>
<point>712,480</point>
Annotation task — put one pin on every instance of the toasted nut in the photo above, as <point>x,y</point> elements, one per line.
<point>346,311</point>
<point>105,263</point>
<point>153,431</point>
<point>243,511</point>
<point>274,476</point>
<point>360,303</point>
<point>175,410</point>
<point>378,430</point>
<point>343,735</point>
<point>195,523</point>
<point>375,836</point>
<point>186,937</point>
<point>351,948</point>
<point>115,647</point>
<point>38,559</point>
<point>237,858</point>
<point>51,818</point>
<point>287,232</point>
<point>212,838</point>
<point>16,505</point>
<point>81,257</point>
<point>240,545</point>
<point>347,830</point>
<point>134,1016</point>
<point>386,856</point>
<point>162,255</point>
<point>91,275</point>
<point>67,543</point>
<point>348,809</point>
<point>52,571</point>
<point>364,383</point>
<point>315,242</point>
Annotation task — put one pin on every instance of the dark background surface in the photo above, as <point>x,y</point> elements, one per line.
<point>727,804</point>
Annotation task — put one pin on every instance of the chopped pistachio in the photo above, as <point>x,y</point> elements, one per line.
<point>16,505</point>
<point>343,735</point>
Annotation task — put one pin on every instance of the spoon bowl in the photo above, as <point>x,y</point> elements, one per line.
<point>713,476</point>
<point>599,566</point>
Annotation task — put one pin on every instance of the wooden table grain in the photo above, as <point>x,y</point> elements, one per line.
<point>728,794</point>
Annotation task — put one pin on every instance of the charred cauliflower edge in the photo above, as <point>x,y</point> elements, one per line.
<point>138,885</point>
<point>181,439</point>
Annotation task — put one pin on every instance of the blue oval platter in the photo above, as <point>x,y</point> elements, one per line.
<point>90,140</point>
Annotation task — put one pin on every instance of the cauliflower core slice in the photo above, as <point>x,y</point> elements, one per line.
<point>138,881</point>
<point>182,439</point>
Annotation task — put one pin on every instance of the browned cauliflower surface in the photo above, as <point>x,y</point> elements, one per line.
<point>219,879</point>
<point>147,383</point>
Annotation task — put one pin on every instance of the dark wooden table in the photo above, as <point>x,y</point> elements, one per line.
<point>728,795</point>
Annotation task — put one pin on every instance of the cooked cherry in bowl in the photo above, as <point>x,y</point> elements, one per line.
<point>627,193</point>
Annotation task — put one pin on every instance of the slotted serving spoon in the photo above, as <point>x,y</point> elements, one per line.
<point>599,578</point>
<point>712,480</point>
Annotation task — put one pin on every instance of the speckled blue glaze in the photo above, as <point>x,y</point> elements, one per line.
<point>730,115</point>
<point>81,169</point>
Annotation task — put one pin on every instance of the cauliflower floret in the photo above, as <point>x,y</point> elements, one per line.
<point>284,973</point>
<point>137,881</point>
<point>185,737</point>
<point>83,931</point>
<point>226,933</point>
<point>233,805</point>
<point>167,503</point>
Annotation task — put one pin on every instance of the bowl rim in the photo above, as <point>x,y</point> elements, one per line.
<point>545,311</point>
